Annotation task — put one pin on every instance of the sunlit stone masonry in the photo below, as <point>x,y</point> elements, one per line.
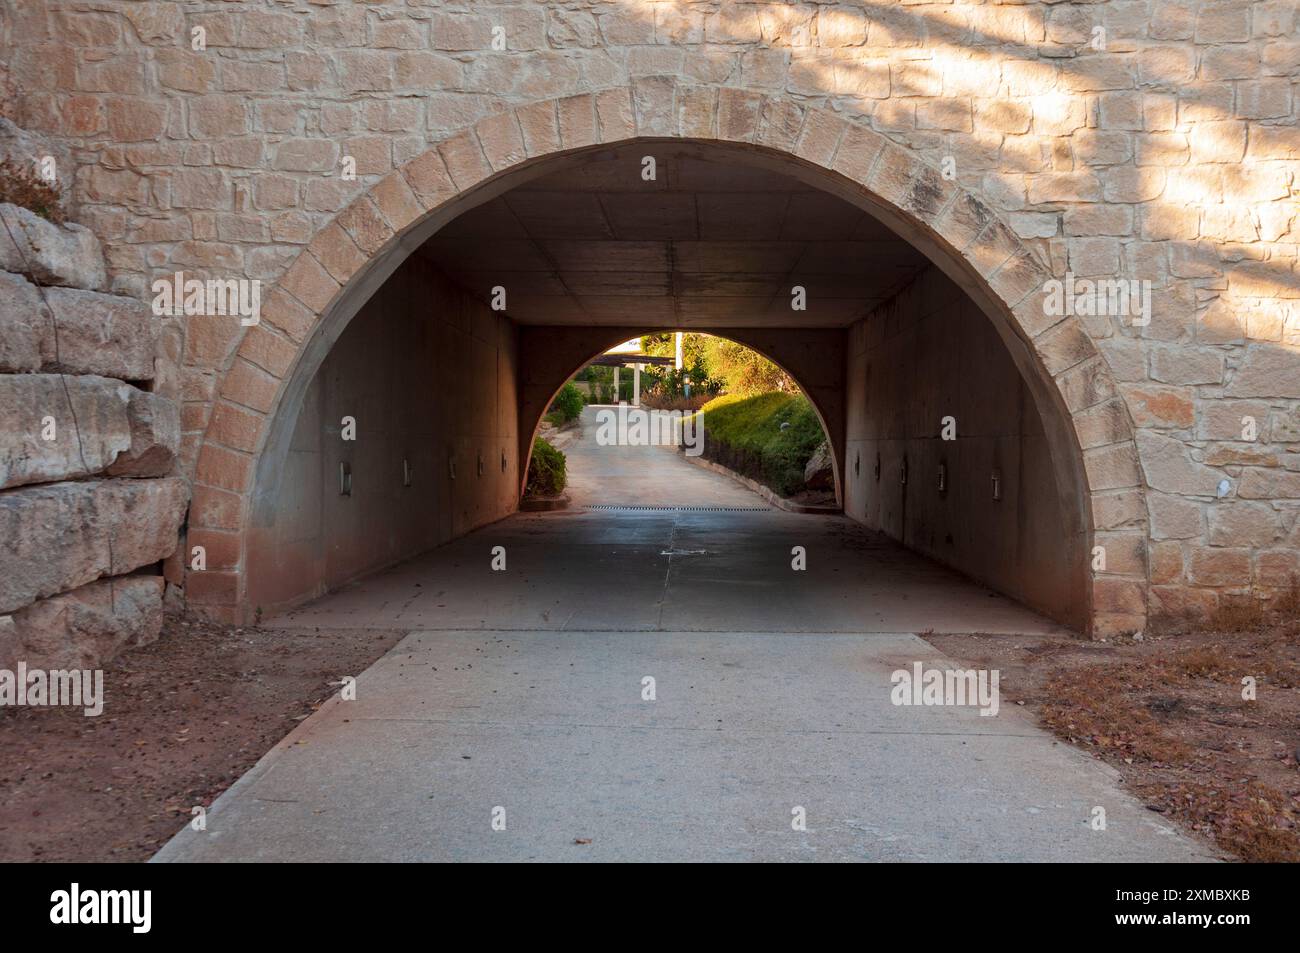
<point>1111,187</point>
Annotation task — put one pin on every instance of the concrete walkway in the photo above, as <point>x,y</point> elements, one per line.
<point>524,691</point>
<point>641,475</point>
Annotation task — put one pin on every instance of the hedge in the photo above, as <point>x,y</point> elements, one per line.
<point>745,434</point>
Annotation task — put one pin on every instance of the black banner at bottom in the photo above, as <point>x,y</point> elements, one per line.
<point>142,903</point>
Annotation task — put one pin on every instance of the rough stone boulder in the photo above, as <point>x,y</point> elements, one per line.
<point>819,472</point>
<point>22,325</point>
<point>155,427</point>
<point>54,427</point>
<point>66,255</point>
<point>85,627</point>
<point>59,536</point>
<point>96,333</point>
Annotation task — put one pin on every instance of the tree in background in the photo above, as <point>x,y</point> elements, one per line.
<point>745,370</point>
<point>664,344</point>
<point>714,364</point>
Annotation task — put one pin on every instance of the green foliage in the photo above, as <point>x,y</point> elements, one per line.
<point>601,381</point>
<point>744,433</point>
<point>547,474</point>
<point>717,365</point>
<point>668,382</point>
<point>711,365</point>
<point>567,405</point>
<point>664,344</point>
<point>746,372</point>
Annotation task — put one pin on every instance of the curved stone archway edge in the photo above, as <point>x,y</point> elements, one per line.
<point>1091,436</point>
<point>550,356</point>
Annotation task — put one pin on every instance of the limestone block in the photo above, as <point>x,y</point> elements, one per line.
<point>1168,466</point>
<point>86,627</point>
<point>1258,484</point>
<point>97,333</point>
<point>66,255</point>
<point>1219,567</point>
<point>22,324</point>
<point>1268,371</point>
<point>155,430</point>
<point>58,536</point>
<point>58,428</point>
<point>1244,524</point>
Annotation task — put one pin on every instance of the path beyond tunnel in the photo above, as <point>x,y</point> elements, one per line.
<point>519,695</point>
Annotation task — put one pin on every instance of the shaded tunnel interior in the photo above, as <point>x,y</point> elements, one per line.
<point>445,392</point>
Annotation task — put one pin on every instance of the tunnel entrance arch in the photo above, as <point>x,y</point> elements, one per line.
<point>247,442</point>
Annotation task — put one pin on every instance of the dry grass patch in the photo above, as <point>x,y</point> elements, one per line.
<point>1168,713</point>
<point>1255,822</point>
<point>21,186</point>
<point>1101,707</point>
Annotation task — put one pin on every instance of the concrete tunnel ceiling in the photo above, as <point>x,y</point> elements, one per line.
<point>709,242</point>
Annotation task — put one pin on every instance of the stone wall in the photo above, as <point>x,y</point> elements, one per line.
<point>91,499</point>
<point>1151,140</point>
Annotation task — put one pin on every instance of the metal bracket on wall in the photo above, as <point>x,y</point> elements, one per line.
<point>407,472</point>
<point>997,484</point>
<point>345,479</point>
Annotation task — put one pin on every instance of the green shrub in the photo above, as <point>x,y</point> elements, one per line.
<point>745,434</point>
<point>567,405</point>
<point>546,471</point>
<point>601,382</point>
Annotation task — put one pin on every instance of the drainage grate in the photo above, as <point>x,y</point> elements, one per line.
<point>692,509</point>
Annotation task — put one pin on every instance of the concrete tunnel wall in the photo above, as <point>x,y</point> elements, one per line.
<point>433,376</point>
<point>430,376</point>
<point>928,353</point>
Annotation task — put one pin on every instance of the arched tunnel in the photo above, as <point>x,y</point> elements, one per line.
<point>294,290</point>
<point>947,435</point>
